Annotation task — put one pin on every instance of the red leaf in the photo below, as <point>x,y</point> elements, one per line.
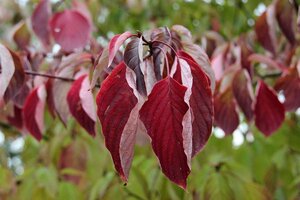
<point>7,68</point>
<point>118,113</point>
<point>226,116</point>
<point>265,30</point>
<point>33,112</point>
<point>162,115</point>
<point>269,112</point>
<point>81,104</point>
<point>290,85</point>
<point>200,103</point>
<point>286,18</point>
<point>40,21</point>
<point>243,92</point>
<point>70,29</point>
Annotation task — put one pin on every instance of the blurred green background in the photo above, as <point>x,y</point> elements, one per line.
<point>69,164</point>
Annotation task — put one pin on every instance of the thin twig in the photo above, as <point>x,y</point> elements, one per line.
<point>32,73</point>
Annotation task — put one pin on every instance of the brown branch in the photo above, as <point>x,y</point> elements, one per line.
<point>32,73</point>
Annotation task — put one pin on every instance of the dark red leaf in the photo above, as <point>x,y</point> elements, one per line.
<point>33,112</point>
<point>290,85</point>
<point>81,104</point>
<point>269,112</point>
<point>226,116</point>
<point>200,103</point>
<point>133,57</point>
<point>286,17</point>
<point>118,113</point>
<point>40,21</point>
<point>50,98</point>
<point>70,29</point>
<point>265,30</point>
<point>243,92</point>
<point>162,115</point>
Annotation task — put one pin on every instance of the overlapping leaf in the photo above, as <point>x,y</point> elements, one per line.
<point>200,103</point>
<point>117,104</point>
<point>133,57</point>
<point>243,92</point>
<point>108,55</point>
<point>162,115</point>
<point>7,68</point>
<point>81,104</point>
<point>33,112</point>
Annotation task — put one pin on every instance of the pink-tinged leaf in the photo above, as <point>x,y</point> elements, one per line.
<point>286,17</point>
<point>133,57</point>
<point>21,35</point>
<point>114,45</point>
<point>243,93</point>
<point>217,66</point>
<point>290,85</point>
<point>102,64</point>
<point>17,118</point>
<point>162,115</point>
<point>201,58</point>
<point>201,104</point>
<point>7,69</point>
<point>82,8</point>
<point>81,104</point>
<point>70,29</point>
<point>183,32</point>
<point>17,81</point>
<point>118,113</point>
<point>147,68</point>
<point>265,30</point>
<point>226,115</point>
<point>264,59</point>
<point>40,21</point>
<point>269,112</point>
<point>60,88</point>
<point>108,54</point>
<point>33,112</point>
